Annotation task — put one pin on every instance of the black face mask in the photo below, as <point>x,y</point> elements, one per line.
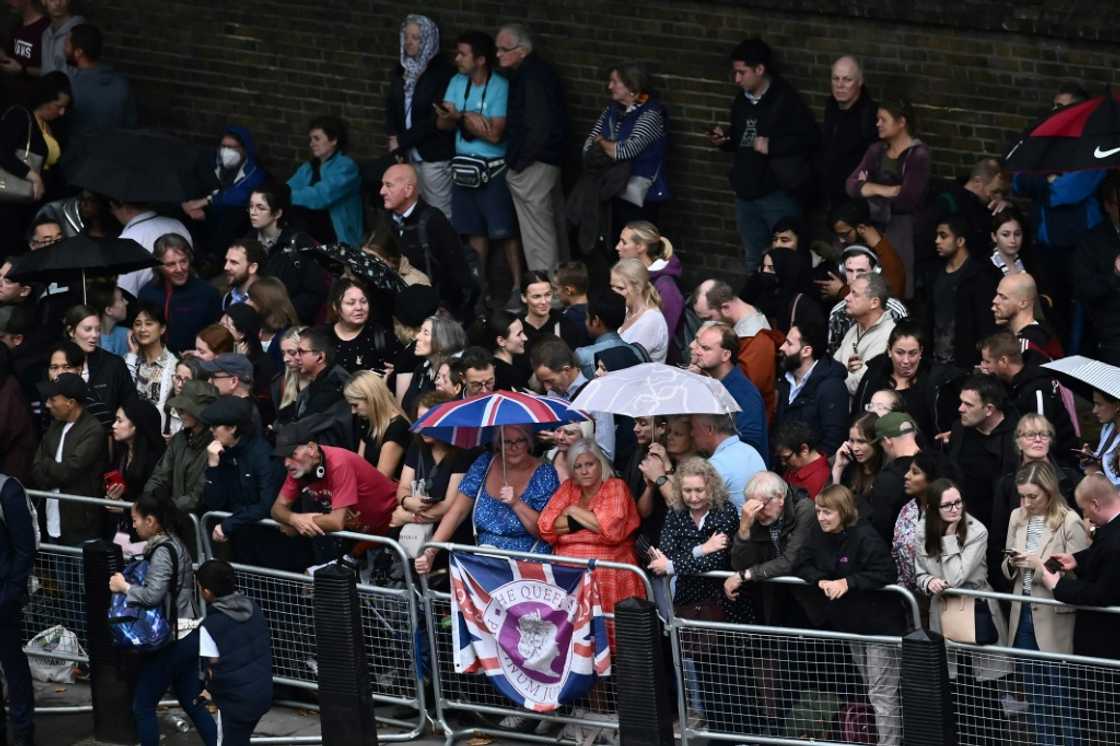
<point>760,286</point>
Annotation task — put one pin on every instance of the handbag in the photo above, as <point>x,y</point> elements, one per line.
<point>145,628</point>
<point>12,187</point>
<point>472,172</point>
<point>414,536</point>
<point>964,620</point>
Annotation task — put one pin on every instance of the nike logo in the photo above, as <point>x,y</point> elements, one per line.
<point>1098,153</point>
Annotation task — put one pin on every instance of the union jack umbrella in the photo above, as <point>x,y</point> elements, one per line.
<point>467,423</point>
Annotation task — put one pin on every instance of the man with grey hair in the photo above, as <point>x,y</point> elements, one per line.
<point>774,525</point>
<point>736,461</point>
<point>871,328</point>
<point>849,129</point>
<point>189,303</point>
<point>536,135</point>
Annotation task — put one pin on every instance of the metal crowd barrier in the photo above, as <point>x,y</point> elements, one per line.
<point>390,618</point>
<point>782,685</point>
<point>475,694</point>
<point>1016,695</point>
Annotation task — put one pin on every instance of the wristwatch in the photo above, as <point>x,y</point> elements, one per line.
<point>660,480</point>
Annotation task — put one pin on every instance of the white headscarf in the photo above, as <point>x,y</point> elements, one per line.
<point>429,47</point>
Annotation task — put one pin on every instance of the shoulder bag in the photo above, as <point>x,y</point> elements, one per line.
<point>12,187</point>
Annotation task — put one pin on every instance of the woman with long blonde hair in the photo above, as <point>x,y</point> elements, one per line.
<point>644,324</point>
<point>642,240</point>
<point>383,432</point>
<point>288,382</point>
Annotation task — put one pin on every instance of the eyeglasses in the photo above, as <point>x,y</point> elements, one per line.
<point>1036,435</point>
<point>953,506</point>
<point>179,380</point>
<point>301,352</point>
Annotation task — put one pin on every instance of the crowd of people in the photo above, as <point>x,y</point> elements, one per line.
<point>885,352</point>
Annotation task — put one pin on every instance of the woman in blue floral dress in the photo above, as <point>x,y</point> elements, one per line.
<point>502,503</point>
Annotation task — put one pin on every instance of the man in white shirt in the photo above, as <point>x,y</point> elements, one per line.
<point>143,226</point>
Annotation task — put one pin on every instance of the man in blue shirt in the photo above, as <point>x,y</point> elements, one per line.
<point>474,105</point>
<point>735,461</point>
<point>713,353</point>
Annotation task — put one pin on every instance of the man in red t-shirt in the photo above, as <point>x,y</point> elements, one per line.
<point>352,495</point>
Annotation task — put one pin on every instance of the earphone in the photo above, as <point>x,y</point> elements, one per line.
<point>320,471</point>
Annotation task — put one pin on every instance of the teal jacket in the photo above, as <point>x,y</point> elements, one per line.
<point>339,191</point>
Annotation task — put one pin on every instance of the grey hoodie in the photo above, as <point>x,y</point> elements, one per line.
<point>235,605</point>
<point>53,47</point>
<point>157,583</point>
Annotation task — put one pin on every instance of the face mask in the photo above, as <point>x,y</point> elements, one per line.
<point>229,157</point>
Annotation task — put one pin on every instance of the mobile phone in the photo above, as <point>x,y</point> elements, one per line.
<point>1053,564</point>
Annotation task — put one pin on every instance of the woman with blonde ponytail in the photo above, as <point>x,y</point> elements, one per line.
<point>642,240</point>
<point>644,324</point>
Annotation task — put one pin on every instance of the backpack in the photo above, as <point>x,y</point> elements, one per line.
<point>145,628</point>
<point>30,509</point>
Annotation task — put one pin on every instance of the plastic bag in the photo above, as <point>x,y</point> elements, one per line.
<point>56,639</point>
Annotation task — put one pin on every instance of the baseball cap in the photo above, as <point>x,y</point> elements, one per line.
<point>228,410</point>
<point>302,431</point>
<point>895,424</point>
<point>69,385</point>
<point>233,363</point>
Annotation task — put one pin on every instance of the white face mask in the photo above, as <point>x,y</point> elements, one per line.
<point>230,157</point>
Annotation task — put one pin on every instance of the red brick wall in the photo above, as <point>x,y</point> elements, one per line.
<point>977,71</point>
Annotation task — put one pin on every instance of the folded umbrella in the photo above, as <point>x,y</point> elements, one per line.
<point>377,274</point>
<point>652,389</point>
<point>140,166</point>
<point>84,255</point>
<point>1080,137</point>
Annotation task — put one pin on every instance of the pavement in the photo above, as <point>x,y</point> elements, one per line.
<point>281,722</point>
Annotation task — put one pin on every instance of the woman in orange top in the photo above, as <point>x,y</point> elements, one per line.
<point>592,515</point>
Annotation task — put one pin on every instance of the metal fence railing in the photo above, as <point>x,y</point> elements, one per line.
<point>767,684</point>
<point>390,617</point>
<point>469,693</point>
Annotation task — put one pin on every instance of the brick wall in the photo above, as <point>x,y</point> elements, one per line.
<point>978,71</point>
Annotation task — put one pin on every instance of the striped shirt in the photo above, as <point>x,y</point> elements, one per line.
<point>1034,536</point>
<point>649,128</point>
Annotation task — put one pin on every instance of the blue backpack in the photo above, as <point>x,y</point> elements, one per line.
<point>145,628</point>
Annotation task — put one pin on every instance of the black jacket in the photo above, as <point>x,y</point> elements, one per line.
<point>85,455</point>
<point>782,116</point>
<point>445,260</point>
<point>883,504</point>
<point>322,393</point>
<point>982,460</point>
<point>1096,582</point>
<point>858,554</point>
<point>974,319</point>
<point>1036,390</point>
<point>17,543</point>
<point>109,379</point>
<point>245,482</point>
<point>1097,285</point>
<point>433,144</point>
<point>822,404</point>
<point>845,136</point>
<point>931,399</point>
<point>536,117</point>
<point>301,274</point>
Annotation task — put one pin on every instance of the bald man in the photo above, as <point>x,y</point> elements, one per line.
<point>427,239</point>
<point>1014,308</point>
<point>849,128</point>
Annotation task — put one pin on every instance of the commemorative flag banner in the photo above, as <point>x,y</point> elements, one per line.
<point>537,630</point>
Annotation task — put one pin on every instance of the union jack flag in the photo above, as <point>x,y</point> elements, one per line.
<point>537,630</point>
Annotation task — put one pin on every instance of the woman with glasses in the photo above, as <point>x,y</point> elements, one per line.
<point>287,261</point>
<point>926,467</point>
<point>952,553</point>
<point>152,365</point>
<point>1034,442</point>
<point>188,368</point>
<point>503,493</point>
<point>1041,527</point>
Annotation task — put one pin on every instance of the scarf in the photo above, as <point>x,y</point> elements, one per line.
<point>414,66</point>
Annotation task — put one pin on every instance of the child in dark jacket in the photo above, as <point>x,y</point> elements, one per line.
<point>235,637</point>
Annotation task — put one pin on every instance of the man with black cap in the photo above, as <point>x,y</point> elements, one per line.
<point>349,493</point>
<point>897,434</point>
<point>71,459</point>
<point>232,374</point>
<point>180,474</point>
<point>242,477</point>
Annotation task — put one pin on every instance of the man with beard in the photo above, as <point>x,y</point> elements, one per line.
<point>1013,309</point>
<point>811,387</point>
<point>244,260</point>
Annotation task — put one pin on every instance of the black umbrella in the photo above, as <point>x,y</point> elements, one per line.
<point>94,256</point>
<point>1080,137</point>
<point>374,273</point>
<point>140,166</point>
